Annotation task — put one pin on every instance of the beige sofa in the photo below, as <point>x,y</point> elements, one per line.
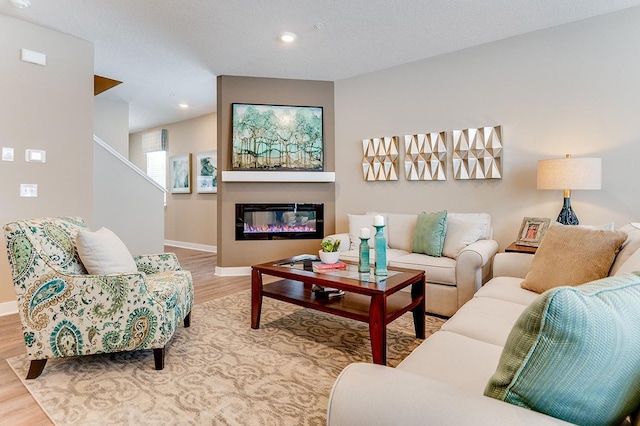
<point>451,279</point>
<point>443,380</point>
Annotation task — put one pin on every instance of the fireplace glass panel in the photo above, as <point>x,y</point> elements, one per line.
<point>279,221</point>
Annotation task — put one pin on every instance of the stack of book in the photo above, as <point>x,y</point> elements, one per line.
<point>320,267</point>
<point>326,292</point>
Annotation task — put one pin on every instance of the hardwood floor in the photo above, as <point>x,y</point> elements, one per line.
<point>17,407</point>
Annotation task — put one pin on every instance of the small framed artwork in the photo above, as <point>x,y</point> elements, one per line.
<point>206,172</point>
<point>180,174</point>
<point>532,230</point>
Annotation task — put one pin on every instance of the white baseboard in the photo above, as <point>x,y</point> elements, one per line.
<point>192,246</point>
<point>8,308</point>
<point>234,271</point>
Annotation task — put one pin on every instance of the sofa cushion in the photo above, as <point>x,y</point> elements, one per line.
<point>485,319</point>
<point>102,252</point>
<point>444,356</point>
<point>353,255</point>
<point>630,246</point>
<point>359,221</point>
<point>507,289</point>
<point>440,270</point>
<point>431,229</point>
<point>632,264</point>
<point>572,256</point>
<point>464,229</point>
<point>574,353</point>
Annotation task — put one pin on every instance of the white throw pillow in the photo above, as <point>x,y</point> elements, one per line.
<point>102,252</point>
<point>464,229</point>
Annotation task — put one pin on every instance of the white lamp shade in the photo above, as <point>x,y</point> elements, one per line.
<point>570,173</point>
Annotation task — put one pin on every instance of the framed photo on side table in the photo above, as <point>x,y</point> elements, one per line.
<point>532,230</point>
<point>206,172</point>
<point>180,174</point>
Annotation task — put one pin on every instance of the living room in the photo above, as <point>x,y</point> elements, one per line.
<point>566,89</point>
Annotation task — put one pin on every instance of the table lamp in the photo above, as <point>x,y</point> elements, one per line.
<point>567,174</point>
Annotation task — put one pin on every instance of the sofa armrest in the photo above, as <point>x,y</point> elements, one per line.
<point>511,264</point>
<point>473,268</point>
<point>157,263</point>
<point>345,242</point>
<point>369,394</point>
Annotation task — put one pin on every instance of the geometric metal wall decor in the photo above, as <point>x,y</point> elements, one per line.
<point>380,160</point>
<point>477,153</point>
<point>425,156</point>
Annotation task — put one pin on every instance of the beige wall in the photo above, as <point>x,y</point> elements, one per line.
<point>44,107</point>
<point>111,123</point>
<point>189,218</point>
<point>569,89</point>
<point>231,89</point>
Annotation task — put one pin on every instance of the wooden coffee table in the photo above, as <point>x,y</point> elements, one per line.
<point>368,298</point>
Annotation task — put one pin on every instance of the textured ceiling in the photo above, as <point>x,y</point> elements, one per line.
<point>168,52</point>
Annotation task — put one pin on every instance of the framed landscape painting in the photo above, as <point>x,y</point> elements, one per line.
<point>180,174</point>
<point>206,172</point>
<point>277,138</point>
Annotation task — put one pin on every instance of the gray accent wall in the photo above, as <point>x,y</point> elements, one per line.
<point>572,89</point>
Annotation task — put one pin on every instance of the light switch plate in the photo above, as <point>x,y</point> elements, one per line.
<point>35,156</point>
<point>29,190</point>
<point>7,154</point>
<point>33,57</point>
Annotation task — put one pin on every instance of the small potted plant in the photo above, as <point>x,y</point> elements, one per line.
<point>329,252</point>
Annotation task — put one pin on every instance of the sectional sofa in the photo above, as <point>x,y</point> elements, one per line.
<point>513,356</point>
<point>452,277</point>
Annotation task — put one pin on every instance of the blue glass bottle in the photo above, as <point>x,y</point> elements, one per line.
<point>381,251</point>
<point>363,259</point>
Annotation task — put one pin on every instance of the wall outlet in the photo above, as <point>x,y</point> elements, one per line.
<point>29,190</point>
<point>7,154</point>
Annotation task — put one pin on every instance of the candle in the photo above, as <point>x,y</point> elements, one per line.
<point>365,233</point>
<point>378,220</point>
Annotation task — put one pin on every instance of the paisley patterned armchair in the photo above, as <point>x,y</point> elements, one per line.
<point>67,312</point>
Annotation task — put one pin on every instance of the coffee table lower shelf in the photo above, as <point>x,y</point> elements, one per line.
<point>377,310</point>
<point>350,305</point>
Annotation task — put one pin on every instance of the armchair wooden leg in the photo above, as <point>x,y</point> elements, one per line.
<point>36,367</point>
<point>187,320</point>
<point>158,357</point>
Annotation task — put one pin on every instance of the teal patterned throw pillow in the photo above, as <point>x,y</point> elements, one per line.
<point>431,229</point>
<point>574,353</point>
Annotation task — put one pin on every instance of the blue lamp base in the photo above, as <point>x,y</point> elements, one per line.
<point>567,216</point>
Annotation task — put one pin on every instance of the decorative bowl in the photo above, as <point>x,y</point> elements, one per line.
<point>329,257</point>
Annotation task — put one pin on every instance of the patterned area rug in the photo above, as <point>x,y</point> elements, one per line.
<point>219,371</point>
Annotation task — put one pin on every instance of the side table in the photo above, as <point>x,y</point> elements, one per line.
<point>514,248</point>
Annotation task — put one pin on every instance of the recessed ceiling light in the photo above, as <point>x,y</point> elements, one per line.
<point>20,4</point>
<point>288,37</point>
<point>183,106</point>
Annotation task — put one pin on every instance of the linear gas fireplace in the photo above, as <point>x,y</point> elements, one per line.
<point>279,221</point>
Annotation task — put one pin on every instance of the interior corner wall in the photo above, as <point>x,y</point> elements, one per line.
<point>51,109</point>
<point>567,89</point>
<point>252,90</point>
<point>190,219</point>
<point>111,123</point>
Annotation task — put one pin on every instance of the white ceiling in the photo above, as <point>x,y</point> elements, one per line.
<point>170,51</point>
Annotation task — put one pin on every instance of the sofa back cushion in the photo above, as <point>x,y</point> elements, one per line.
<point>464,229</point>
<point>630,246</point>
<point>572,256</point>
<point>401,230</point>
<point>574,353</point>
<point>359,221</point>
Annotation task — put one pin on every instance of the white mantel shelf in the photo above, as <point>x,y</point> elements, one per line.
<point>242,176</point>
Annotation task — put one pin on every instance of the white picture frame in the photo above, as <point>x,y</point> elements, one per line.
<point>207,172</point>
<point>180,174</point>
